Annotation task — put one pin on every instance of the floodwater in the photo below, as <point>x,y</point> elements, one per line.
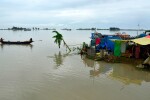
<point>41,71</point>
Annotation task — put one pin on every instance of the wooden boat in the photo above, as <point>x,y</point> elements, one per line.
<point>16,42</point>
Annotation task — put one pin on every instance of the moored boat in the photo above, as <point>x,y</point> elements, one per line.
<point>16,42</point>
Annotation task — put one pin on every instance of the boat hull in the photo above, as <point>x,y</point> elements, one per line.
<point>9,42</point>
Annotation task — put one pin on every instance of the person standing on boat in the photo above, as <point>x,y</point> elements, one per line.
<point>31,40</point>
<point>1,40</point>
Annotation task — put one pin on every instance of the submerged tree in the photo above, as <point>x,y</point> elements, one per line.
<point>59,38</point>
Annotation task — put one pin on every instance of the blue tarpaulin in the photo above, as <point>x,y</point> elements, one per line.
<point>108,43</point>
<point>105,43</point>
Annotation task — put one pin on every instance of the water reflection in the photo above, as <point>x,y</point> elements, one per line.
<point>126,73</point>
<point>59,58</point>
<point>129,74</point>
<point>25,45</point>
<point>99,67</point>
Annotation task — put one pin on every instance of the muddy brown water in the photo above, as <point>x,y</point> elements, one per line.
<point>41,71</point>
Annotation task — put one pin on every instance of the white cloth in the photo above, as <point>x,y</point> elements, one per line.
<point>123,47</point>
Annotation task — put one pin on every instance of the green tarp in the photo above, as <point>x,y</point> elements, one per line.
<point>117,48</point>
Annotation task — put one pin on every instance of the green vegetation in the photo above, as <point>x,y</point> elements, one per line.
<point>59,38</point>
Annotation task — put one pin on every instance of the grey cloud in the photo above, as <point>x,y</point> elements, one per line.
<point>125,13</point>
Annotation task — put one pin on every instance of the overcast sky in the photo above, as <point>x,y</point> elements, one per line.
<point>75,13</point>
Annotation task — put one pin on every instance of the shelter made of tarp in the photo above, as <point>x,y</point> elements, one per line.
<point>142,41</point>
<point>109,43</point>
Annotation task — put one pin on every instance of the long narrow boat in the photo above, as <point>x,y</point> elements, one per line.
<point>16,42</point>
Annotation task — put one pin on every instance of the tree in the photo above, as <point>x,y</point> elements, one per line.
<point>59,38</point>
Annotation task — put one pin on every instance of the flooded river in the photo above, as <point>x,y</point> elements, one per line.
<point>42,71</point>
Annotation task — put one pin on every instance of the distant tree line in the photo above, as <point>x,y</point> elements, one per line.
<point>21,28</point>
<point>17,28</point>
<point>86,29</point>
<point>114,29</point>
